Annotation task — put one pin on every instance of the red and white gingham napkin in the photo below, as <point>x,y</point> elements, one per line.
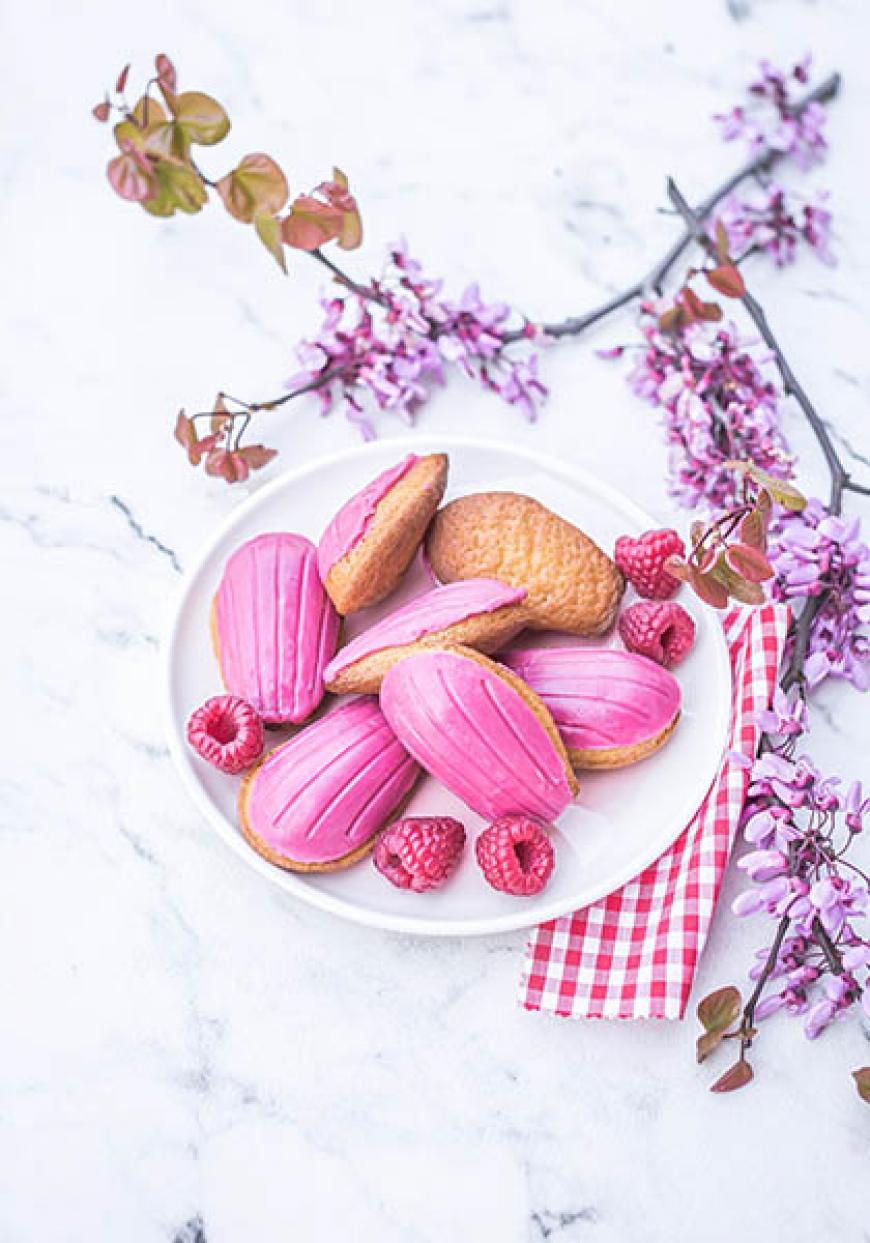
<point>633,955</point>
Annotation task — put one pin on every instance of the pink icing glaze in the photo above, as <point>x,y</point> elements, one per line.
<point>351,522</point>
<point>276,626</point>
<point>476,734</point>
<point>324,793</point>
<point>428,614</point>
<point>599,698</point>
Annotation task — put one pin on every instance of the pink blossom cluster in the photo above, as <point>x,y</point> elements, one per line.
<point>775,222</point>
<point>717,406</point>
<point>386,346</point>
<point>801,826</point>
<point>815,552</point>
<point>771,118</point>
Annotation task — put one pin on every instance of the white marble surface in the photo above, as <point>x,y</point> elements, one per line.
<point>187,1055</point>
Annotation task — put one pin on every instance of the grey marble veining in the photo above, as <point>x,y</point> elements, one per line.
<point>186,1055</point>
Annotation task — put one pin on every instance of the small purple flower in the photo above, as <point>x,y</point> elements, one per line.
<point>818,1018</point>
<point>772,119</point>
<point>388,351</point>
<point>786,716</point>
<point>814,552</point>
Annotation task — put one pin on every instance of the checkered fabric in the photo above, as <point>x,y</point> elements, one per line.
<point>633,955</point>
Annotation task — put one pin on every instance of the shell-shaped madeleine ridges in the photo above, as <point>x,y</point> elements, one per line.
<point>600,698</point>
<point>329,789</point>
<point>276,626</point>
<point>472,730</point>
<point>427,614</point>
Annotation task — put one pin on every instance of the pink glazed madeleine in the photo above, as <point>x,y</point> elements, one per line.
<point>481,731</point>
<point>480,613</point>
<point>371,541</point>
<point>274,628</point>
<point>316,803</point>
<point>611,707</point>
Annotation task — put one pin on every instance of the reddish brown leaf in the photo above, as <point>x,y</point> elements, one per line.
<point>122,79</point>
<point>727,280</point>
<point>672,319</point>
<point>310,223</point>
<point>737,1077</point>
<point>707,1043</point>
<point>753,529</point>
<point>256,456</point>
<point>708,588</point>
<point>718,1010</point>
<point>862,1082</point>
<point>221,416</point>
<point>721,242</point>
<point>166,75</point>
<point>257,185</point>
<point>698,310</point>
<point>750,563</point>
<point>185,430</point>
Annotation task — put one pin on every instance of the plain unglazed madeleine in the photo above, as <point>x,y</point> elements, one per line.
<point>481,731</point>
<point>479,613</point>
<point>612,708</point>
<point>317,802</point>
<point>273,627</point>
<point>368,546</point>
<point>571,584</point>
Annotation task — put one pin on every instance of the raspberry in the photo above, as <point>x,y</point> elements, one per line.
<point>227,732</point>
<point>642,561</point>
<point>665,632</point>
<point>420,852</point>
<point>515,855</point>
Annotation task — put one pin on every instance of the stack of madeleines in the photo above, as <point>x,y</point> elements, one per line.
<point>504,735</point>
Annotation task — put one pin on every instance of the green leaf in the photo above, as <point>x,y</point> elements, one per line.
<point>201,118</point>
<point>185,187</point>
<point>268,230</point>
<point>257,186</point>
<point>785,493</point>
<point>737,1077</point>
<point>719,1009</point>
<point>862,1082</point>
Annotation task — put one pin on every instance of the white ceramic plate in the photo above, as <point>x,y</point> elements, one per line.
<point>622,820</point>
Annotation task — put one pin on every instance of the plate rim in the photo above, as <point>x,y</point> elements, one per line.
<point>294,883</point>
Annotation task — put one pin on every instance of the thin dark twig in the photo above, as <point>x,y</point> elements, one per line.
<point>368,292</point>
<point>764,159</point>
<point>255,407</point>
<point>840,479</point>
<point>769,964</point>
<point>829,949</point>
<point>802,628</point>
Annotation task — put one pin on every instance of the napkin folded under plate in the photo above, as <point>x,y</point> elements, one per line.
<point>633,954</point>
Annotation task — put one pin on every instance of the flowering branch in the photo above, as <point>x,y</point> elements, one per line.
<point>764,159</point>
<point>385,359</point>
<point>840,479</point>
<point>797,865</point>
